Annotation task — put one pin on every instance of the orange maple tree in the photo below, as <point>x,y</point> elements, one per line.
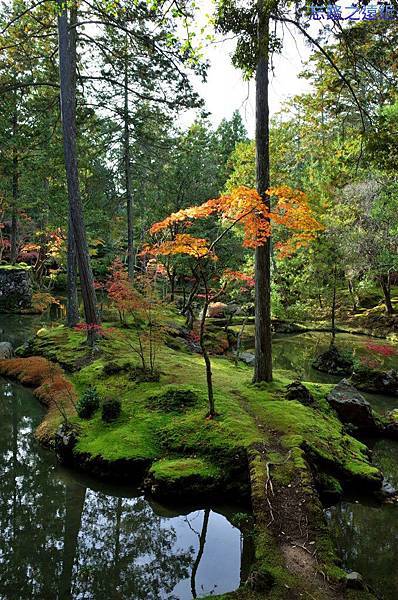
<point>244,206</point>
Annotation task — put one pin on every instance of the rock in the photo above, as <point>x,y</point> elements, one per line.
<point>217,310</point>
<point>15,289</point>
<point>352,407</point>
<point>297,391</point>
<point>355,581</point>
<point>390,424</point>
<point>248,358</point>
<point>6,350</point>
<point>379,382</point>
<point>65,439</point>
<point>333,362</point>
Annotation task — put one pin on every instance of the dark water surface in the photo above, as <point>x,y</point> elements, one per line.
<point>65,536</point>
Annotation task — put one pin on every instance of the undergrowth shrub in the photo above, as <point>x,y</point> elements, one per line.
<point>111,410</point>
<point>88,403</point>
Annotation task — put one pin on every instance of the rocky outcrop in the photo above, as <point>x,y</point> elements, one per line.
<point>15,289</point>
<point>352,408</point>
<point>6,350</point>
<point>297,391</point>
<point>333,362</point>
<point>378,382</point>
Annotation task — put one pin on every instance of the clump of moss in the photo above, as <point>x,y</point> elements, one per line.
<point>114,368</point>
<point>140,375</point>
<point>173,400</point>
<point>88,403</point>
<point>111,410</point>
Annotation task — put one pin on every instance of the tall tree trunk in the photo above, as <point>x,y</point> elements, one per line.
<point>263,334</point>
<point>15,189</point>
<point>386,287</point>
<point>72,302</point>
<point>127,173</point>
<point>68,113</point>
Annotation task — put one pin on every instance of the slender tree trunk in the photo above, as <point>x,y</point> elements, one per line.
<point>263,333</point>
<point>127,174</point>
<point>206,358</point>
<point>15,189</point>
<point>386,287</point>
<point>334,307</point>
<point>72,303</point>
<point>351,289</point>
<point>68,113</point>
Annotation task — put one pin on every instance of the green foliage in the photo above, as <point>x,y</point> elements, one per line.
<point>88,403</point>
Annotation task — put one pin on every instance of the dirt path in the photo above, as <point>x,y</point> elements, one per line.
<point>292,512</point>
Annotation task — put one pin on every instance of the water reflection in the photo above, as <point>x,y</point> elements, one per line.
<point>366,538</point>
<point>366,533</point>
<point>62,537</point>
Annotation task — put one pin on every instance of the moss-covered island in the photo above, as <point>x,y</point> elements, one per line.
<point>276,455</point>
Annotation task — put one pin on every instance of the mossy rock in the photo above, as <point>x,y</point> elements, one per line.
<point>188,477</point>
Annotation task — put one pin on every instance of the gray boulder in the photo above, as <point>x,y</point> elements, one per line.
<point>15,289</point>
<point>6,350</point>
<point>352,407</point>
<point>247,357</point>
<point>355,581</point>
<point>378,382</point>
<point>297,391</point>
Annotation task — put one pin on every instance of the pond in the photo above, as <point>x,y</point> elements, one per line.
<point>64,536</point>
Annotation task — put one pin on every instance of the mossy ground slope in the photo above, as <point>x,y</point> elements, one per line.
<point>257,432</point>
<point>146,431</point>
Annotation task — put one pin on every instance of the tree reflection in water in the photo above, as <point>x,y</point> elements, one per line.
<point>62,540</point>
<point>367,541</point>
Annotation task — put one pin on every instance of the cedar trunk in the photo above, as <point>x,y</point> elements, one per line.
<point>72,302</point>
<point>68,114</point>
<point>15,190</point>
<point>127,174</point>
<point>263,334</point>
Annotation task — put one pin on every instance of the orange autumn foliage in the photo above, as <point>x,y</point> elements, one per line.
<point>183,243</point>
<point>245,206</point>
<point>51,386</point>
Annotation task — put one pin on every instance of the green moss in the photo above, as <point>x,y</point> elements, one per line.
<point>180,468</point>
<point>17,267</point>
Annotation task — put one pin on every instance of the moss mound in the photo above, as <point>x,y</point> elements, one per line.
<point>173,400</point>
